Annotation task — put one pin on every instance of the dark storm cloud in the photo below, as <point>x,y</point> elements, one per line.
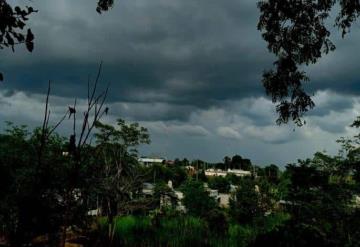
<point>197,52</point>
<point>328,101</point>
<point>190,71</point>
<point>151,111</point>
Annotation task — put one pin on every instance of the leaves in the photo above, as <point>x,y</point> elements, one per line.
<point>296,33</point>
<point>104,5</point>
<point>12,22</point>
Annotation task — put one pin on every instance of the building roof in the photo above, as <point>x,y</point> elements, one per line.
<point>151,160</point>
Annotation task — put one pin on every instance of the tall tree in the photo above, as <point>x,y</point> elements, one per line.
<point>120,180</point>
<point>272,173</point>
<point>236,162</point>
<point>196,199</point>
<point>245,204</point>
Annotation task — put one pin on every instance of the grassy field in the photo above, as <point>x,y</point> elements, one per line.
<point>177,231</point>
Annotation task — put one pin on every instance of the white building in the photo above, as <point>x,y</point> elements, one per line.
<point>239,173</point>
<point>223,200</point>
<point>150,161</point>
<point>221,173</point>
<point>215,173</point>
<point>148,189</point>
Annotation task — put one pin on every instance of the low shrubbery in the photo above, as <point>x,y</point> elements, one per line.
<point>140,231</point>
<point>180,230</point>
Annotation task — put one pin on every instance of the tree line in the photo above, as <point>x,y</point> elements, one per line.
<point>49,186</point>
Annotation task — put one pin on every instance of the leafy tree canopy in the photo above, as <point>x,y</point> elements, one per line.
<point>296,31</point>
<point>196,199</point>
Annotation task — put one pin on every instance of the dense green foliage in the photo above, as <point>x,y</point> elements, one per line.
<point>298,33</point>
<point>197,199</point>
<point>312,202</point>
<point>219,183</point>
<point>49,183</point>
<point>179,231</point>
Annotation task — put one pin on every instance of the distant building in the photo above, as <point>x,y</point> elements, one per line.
<point>190,170</point>
<point>222,173</point>
<point>215,173</point>
<point>148,189</point>
<point>221,198</point>
<point>94,212</point>
<point>169,162</point>
<point>239,173</point>
<point>150,161</point>
<point>224,200</point>
<point>213,193</point>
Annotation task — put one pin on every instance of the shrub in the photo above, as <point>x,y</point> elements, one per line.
<point>196,199</point>
<point>182,231</point>
<point>217,222</point>
<point>219,183</point>
<point>241,235</point>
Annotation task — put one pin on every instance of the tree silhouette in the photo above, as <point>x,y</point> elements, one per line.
<point>13,21</point>
<point>12,25</point>
<point>104,5</point>
<point>296,32</point>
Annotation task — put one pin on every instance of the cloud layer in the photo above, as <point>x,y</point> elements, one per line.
<point>190,71</point>
<point>210,133</point>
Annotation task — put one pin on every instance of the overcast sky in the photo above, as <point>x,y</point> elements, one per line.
<point>189,71</point>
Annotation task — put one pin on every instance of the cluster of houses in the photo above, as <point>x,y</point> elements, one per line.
<point>208,172</point>
<point>221,198</point>
<point>151,161</point>
<point>222,173</point>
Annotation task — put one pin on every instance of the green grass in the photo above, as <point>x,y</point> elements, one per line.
<point>138,231</point>
<point>182,231</point>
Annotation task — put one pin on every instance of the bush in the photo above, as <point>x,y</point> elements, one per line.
<point>219,183</point>
<point>182,231</point>
<point>127,231</point>
<point>196,199</point>
<point>174,231</point>
<point>217,222</point>
<point>245,203</point>
<point>241,235</point>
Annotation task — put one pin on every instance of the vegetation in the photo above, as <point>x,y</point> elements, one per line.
<point>66,189</point>
<point>48,197</point>
<point>196,199</point>
<point>219,183</point>
<point>314,201</point>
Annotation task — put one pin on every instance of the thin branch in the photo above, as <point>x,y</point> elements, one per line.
<point>47,121</point>
<point>96,82</point>
<point>58,123</point>
<point>88,90</point>
<point>74,118</point>
<point>46,107</point>
<point>97,115</point>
